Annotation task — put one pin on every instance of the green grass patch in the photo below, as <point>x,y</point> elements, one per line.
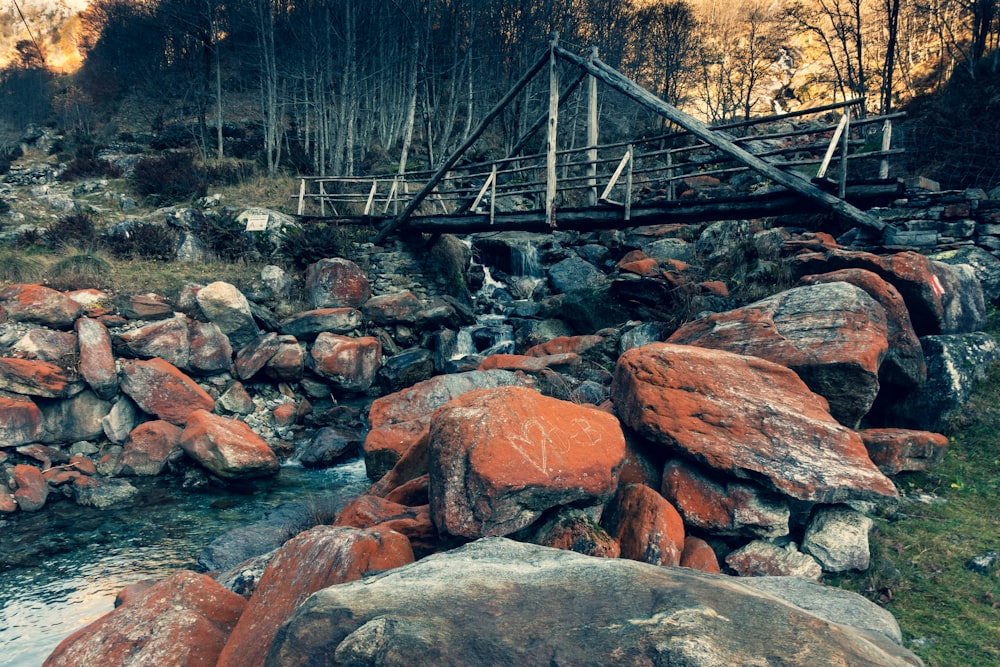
<point>950,615</point>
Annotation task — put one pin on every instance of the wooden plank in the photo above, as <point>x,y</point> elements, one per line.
<point>551,182</point>
<point>432,183</point>
<point>593,129</point>
<point>883,168</point>
<point>618,81</point>
<point>832,148</point>
<point>302,196</point>
<point>845,147</point>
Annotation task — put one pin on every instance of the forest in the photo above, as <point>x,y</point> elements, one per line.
<point>354,86</point>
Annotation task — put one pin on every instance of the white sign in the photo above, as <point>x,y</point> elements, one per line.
<point>257,222</point>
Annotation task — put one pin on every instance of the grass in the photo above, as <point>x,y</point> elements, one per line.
<point>950,614</point>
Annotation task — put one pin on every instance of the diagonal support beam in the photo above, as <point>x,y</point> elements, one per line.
<point>623,84</point>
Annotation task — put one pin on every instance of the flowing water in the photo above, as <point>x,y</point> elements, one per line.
<point>60,568</point>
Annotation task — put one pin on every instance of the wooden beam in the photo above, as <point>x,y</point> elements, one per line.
<point>551,184</point>
<point>593,126</point>
<point>618,81</point>
<point>437,177</point>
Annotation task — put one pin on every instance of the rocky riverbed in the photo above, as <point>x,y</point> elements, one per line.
<point>617,404</point>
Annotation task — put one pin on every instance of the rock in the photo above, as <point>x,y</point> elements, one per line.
<point>149,447</point>
<point>276,282</point>
<point>830,603</point>
<point>254,355</point>
<point>930,289</point>
<point>183,620</point>
<point>564,344</point>
<point>984,264</point>
<point>190,248</point>
<point>288,361</point>
<point>723,507</point>
<point>834,336</point>
<point>708,404</point>
<point>235,400</point>
<point>20,421</point>
<point>500,457</point>
<point>336,283</point>
<point>348,363</point>
<point>104,493</point>
<point>228,308</point>
<point>243,578</point>
<point>904,364</point>
<point>564,607</point>
<point>72,419</point>
<point>38,378</point>
<point>837,537</point>
<point>954,365</point>
<point>568,362</point>
<point>983,563</point>
<point>210,349</point>
<point>120,420</point>
<point>405,369</point>
<point>32,490</point>
<point>574,530</point>
<point>574,273</point>
<point>144,307</point>
<point>39,305</point>
<point>228,448</point>
<point>761,558</point>
<point>311,561</point>
<point>306,325</point>
<point>647,527</point>
<point>97,361</point>
<point>895,450</point>
<point>94,302</point>
<point>396,308</point>
<point>331,445</point>
<point>47,345</point>
<point>158,388</point>
<point>699,555</point>
<point>166,339</point>
<point>266,535</point>
<point>368,511</point>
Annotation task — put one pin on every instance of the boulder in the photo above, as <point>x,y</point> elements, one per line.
<point>400,420</point>
<point>647,527</point>
<point>834,336</point>
<point>72,419</point>
<point>954,365</point>
<point>895,450</point>
<point>149,446</point>
<point>306,325</point>
<point>144,307</point>
<point>103,493</point>
<point>723,506</point>
<point>183,621</point>
<point>288,361</point>
<point>210,349</point>
<point>699,555</point>
<point>837,537</point>
<point>761,558</point>
<point>904,364</point>
<point>32,377</point>
<point>499,458</point>
<point>94,302</point>
<point>368,511</point>
<point>564,344</point>
<point>709,405</point>
<point>39,305</point>
<point>31,490</point>
<point>985,266</point>
<point>557,606</point>
<point>575,273</point>
<point>97,360</point>
<point>320,557</point>
<point>405,369</point>
<point>574,530</point>
<point>396,308</point>
<point>329,446</point>
<point>158,388</point>
<point>253,356</point>
<point>228,448</point>
<point>47,345</point>
<point>120,420</point>
<point>349,364</point>
<point>228,308</point>
<point>166,339</point>
<point>20,421</point>
<point>337,283</point>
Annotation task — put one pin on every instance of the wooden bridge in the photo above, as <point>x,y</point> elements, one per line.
<point>695,173</point>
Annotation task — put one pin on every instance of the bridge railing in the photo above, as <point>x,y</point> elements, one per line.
<point>648,170</point>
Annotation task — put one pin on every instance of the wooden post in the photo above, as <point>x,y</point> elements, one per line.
<point>845,140</point>
<point>551,184</point>
<point>628,183</point>
<point>493,194</point>
<point>592,136</point>
<point>302,195</point>
<point>883,168</point>
<point>832,148</point>
<point>322,199</point>
<point>671,187</point>
<point>371,198</point>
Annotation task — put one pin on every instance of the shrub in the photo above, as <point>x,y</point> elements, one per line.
<point>86,164</point>
<point>16,266</point>
<point>302,246</point>
<point>76,229</point>
<point>143,240</point>
<point>169,178</point>
<point>225,236</point>
<point>79,269</point>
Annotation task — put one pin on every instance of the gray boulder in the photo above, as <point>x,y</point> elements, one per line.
<point>497,602</point>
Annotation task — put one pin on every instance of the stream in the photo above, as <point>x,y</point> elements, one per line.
<point>60,568</point>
